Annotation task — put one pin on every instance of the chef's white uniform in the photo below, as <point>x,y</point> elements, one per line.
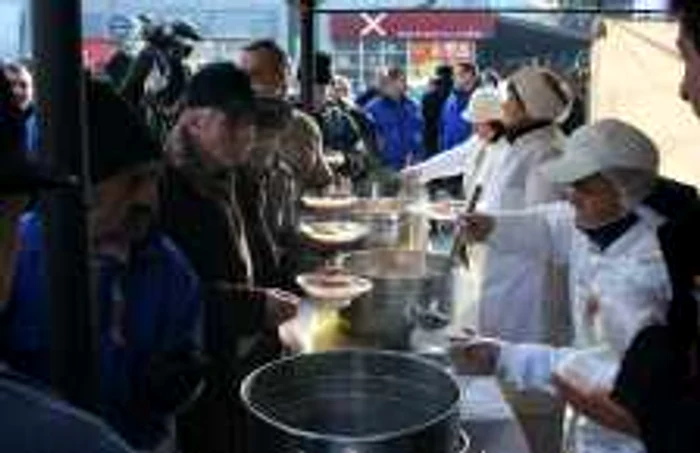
<point>614,293</point>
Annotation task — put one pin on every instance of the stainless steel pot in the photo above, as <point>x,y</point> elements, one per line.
<point>409,287</point>
<point>352,401</point>
<point>383,216</point>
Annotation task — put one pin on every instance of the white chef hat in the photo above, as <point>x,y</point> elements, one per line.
<point>544,94</point>
<point>612,148</point>
<point>484,106</point>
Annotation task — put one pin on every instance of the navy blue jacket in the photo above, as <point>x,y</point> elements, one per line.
<point>159,325</point>
<point>399,130</point>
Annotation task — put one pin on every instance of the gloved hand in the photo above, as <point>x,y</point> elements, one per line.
<point>475,355</point>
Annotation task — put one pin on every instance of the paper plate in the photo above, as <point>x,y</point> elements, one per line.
<point>333,288</point>
<point>334,232</point>
<point>328,203</point>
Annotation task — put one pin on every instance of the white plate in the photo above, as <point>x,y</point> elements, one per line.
<point>330,232</point>
<point>355,287</point>
<point>328,202</point>
<point>441,211</point>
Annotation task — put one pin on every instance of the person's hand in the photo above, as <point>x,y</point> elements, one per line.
<point>598,406</point>
<point>476,227</point>
<point>474,355</point>
<point>280,307</point>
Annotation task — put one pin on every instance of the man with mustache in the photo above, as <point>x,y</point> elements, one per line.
<point>148,295</point>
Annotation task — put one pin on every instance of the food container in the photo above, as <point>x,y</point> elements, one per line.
<point>353,401</point>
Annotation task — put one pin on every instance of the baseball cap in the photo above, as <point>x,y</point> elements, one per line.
<point>222,86</point>
<point>604,145</point>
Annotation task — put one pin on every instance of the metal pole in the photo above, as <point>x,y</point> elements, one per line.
<point>74,346</point>
<point>307,63</point>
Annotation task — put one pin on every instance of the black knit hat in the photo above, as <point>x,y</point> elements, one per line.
<point>118,138</point>
<point>222,86</point>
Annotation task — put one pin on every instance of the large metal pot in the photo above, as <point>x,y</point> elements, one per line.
<point>383,216</point>
<point>352,401</point>
<point>406,283</point>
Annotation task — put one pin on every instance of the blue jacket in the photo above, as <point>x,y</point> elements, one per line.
<point>399,130</point>
<point>31,134</point>
<point>32,421</point>
<point>160,293</point>
<point>453,129</point>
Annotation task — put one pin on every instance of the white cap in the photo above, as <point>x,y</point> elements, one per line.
<point>484,106</point>
<point>544,94</point>
<point>602,146</point>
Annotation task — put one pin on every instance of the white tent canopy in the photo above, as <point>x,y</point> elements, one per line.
<point>636,72</point>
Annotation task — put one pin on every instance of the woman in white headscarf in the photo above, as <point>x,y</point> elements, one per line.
<point>618,280</point>
<point>479,158</point>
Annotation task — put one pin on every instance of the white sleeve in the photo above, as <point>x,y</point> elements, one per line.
<point>530,366</point>
<point>455,161</point>
<point>561,224</point>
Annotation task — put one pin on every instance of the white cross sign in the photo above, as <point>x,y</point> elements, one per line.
<point>373,24</point>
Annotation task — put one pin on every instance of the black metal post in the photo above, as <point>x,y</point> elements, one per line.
<point>306,59</point>
<point>74,346</point>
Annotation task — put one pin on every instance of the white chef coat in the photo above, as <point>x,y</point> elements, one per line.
<point>514,293</point>
<point>614,294</point>
<point>477,160</point>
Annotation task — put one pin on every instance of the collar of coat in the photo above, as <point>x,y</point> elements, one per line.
<point>521,130</point>
<point>605,236</point>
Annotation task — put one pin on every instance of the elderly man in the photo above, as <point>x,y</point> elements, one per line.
<point>31,419</point>
<point>201,211</point>
<point>148,293</point>
<point>23,96</point>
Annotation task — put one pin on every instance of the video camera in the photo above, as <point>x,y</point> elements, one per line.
<point>175,39</point>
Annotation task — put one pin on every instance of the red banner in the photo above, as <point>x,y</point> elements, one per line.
<point>97,52</point>
<point>424,26</point>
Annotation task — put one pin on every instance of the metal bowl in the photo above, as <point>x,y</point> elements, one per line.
<point>358,401</point>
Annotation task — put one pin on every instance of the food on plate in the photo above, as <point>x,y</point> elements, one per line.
<point>333,284</point>
<point>328,202</point>
<point>334,232</point>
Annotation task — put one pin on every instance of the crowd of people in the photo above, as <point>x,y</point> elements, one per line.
<point>583,257</point>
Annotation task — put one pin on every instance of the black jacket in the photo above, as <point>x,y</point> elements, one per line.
<point>431,105</point>
<point>658,381</point>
